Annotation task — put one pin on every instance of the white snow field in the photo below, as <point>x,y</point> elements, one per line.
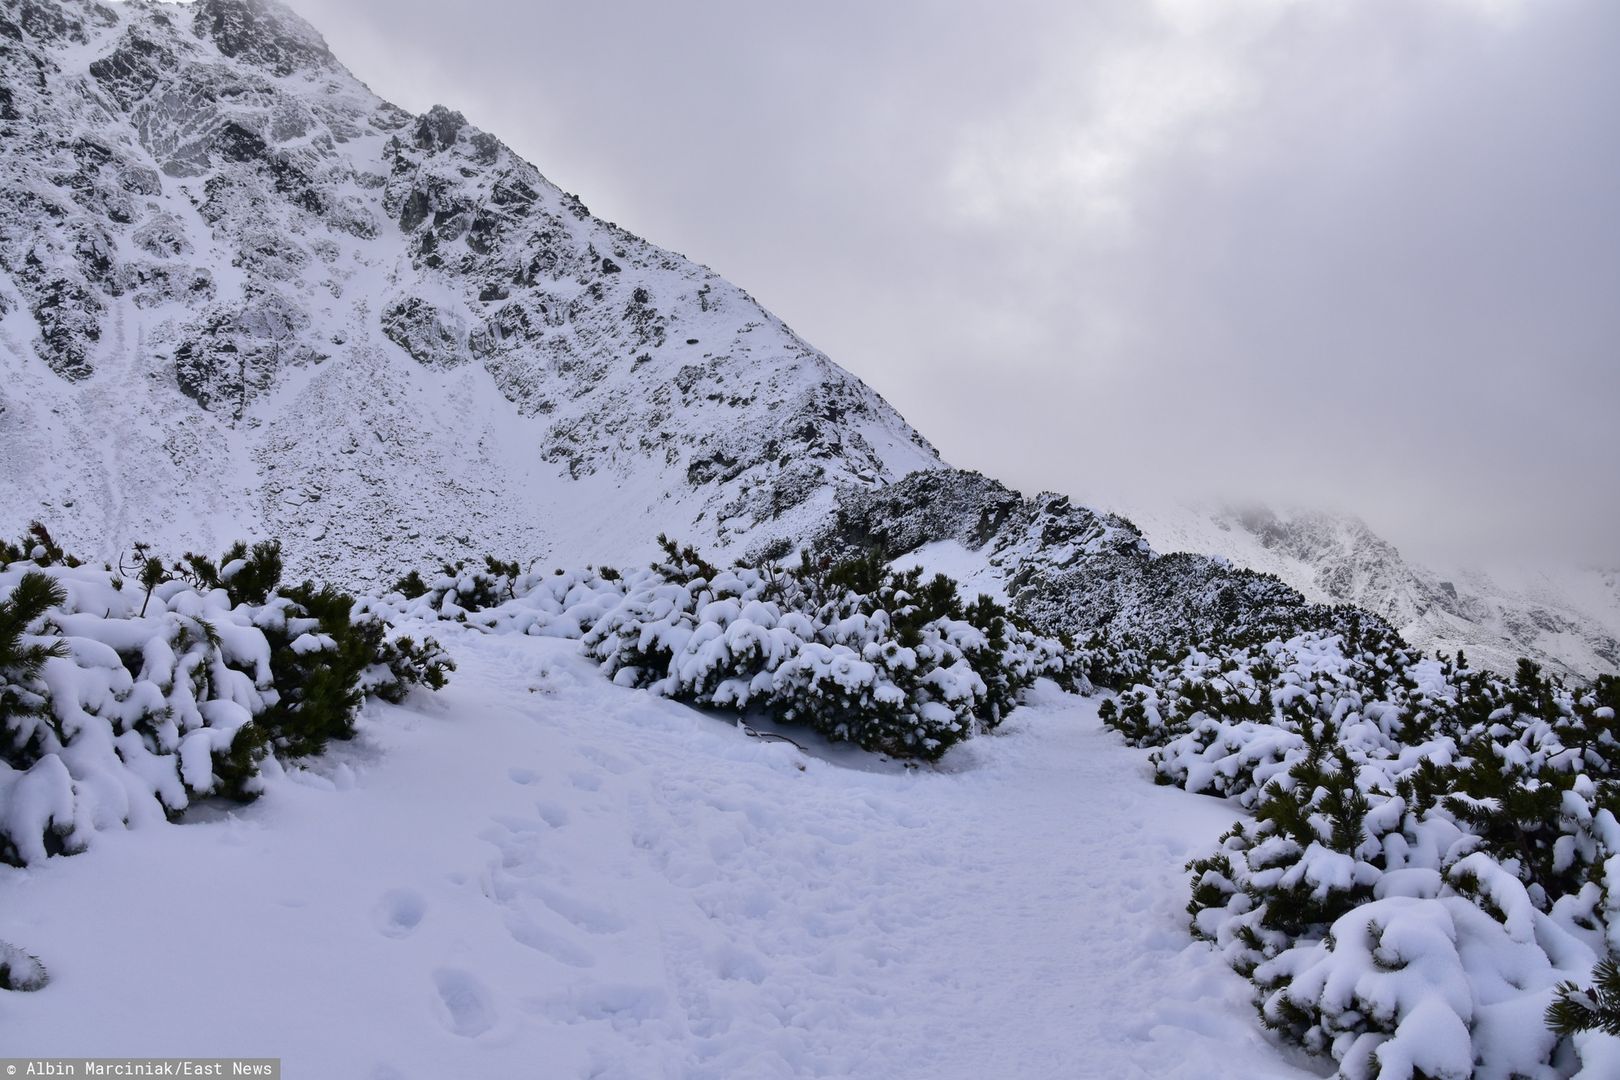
<point>537,873</point>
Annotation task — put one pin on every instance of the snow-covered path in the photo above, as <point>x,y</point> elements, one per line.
<point>539,874</point>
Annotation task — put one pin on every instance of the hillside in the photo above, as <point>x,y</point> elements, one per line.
<point>239,293</point>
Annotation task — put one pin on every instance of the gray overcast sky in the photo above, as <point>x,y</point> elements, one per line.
<point>1364,253</point>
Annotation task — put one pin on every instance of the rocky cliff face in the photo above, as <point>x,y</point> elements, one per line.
<point>240,294</point>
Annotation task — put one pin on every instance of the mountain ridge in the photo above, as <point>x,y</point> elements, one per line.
<point>326,302</point>
<point>1564,617</point>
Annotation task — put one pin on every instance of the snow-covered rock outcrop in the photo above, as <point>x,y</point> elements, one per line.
<point>1065,567</point>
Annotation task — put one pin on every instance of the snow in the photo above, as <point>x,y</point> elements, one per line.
<point>1391,928</point>
<point>969,569</point>
<point>541,865</point>
<point>1565,617</point>
<point>1444,981</point>
<point>135,706</point>
<point>537,866</point>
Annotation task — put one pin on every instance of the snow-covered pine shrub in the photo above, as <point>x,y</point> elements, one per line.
<point>125,720</point>
<point>1433,987</point>
<point>1003,651</point>
<point>1203,686</point>
<point>1226,758</point>
<point>1533,773</point>
<point>502,598</point>
<point>121,704</point>
<point>637,641</point>
<point>36,545</point>
<point>883,659</point>
<point>328,651</point>
<point>20,971</point>
<point>398,661</point>
<point>868,688</point>
<point>461,589</point>
<point>700,634</point>
<point>1432,850</point>
<point>562,604</point>
<point>903,665</point>
<point>22,694</point>
<point>1011,656</point>
<point>410,586</point>
<point>1576,1009</point>
<point>327,654</point>
<point>708,640</point>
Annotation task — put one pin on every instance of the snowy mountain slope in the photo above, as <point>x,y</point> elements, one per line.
<point>240,294</point>
<point>537,866</point>
<point>1566,618</point>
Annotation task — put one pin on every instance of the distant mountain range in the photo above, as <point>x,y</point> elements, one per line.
<point>1565,617</point>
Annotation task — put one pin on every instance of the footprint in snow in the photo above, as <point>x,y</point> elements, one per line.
<point>526,932</point>
<point>583,913</point>
<point>523,776</point>
<point>552,814</point>
<point>515,826</point>
<point>463,1004</point>
<point>611,762</point>
<point>617,1002</point>
<point>734,963</point>
<point>398,912</point>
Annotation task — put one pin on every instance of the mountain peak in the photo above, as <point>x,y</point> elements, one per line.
<point>438,128</point>
<point>265,33</point>
<point>305,312</point>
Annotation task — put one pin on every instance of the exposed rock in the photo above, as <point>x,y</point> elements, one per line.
<point>262,33</point>
<point>1068,568</point>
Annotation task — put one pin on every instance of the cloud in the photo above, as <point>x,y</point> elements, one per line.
<point>1078,141</point>
<point>1357,252</point>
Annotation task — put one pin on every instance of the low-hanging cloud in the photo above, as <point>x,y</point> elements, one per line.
<point>1359,253</point>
